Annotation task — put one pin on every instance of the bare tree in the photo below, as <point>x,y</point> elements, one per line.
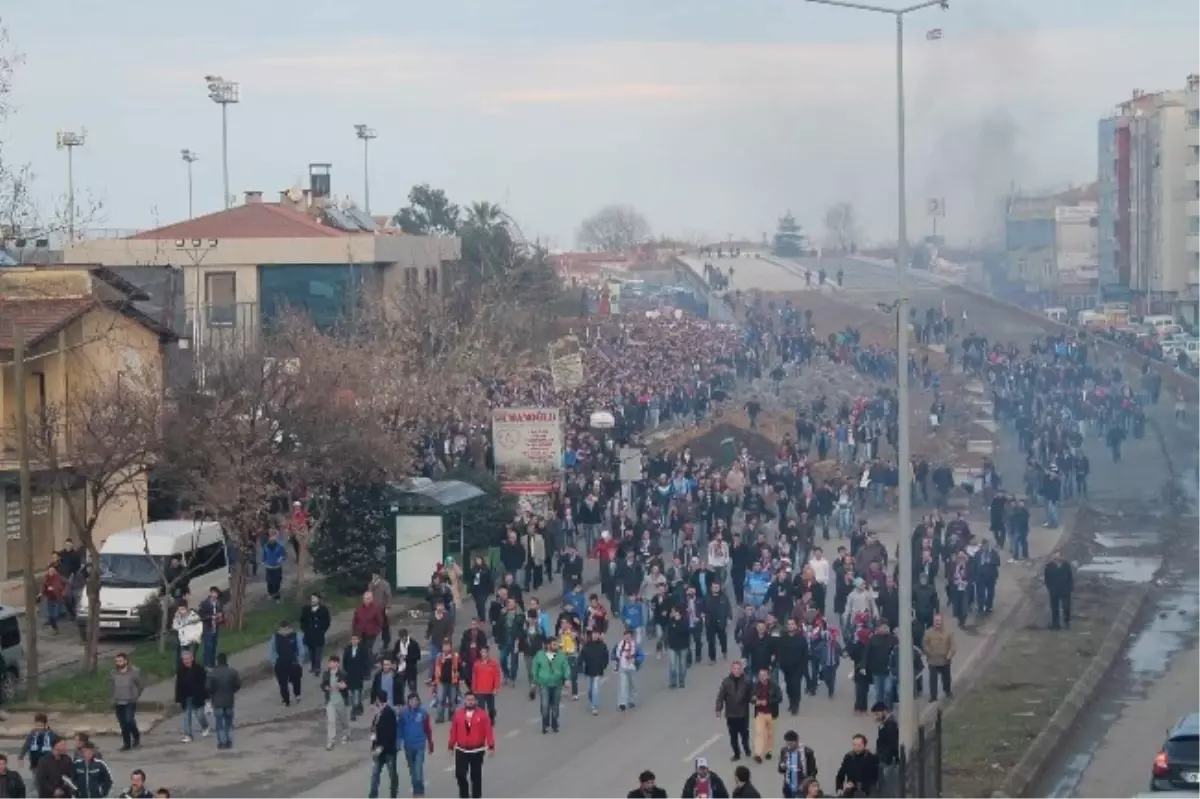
<point>96,446</point>
<point>841,227</point>
<point>614,228</point>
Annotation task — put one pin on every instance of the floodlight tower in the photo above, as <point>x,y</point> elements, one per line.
<point>224,93</point>
<point>366,133</point>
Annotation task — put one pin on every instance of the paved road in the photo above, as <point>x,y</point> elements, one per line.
<point>592,756</point>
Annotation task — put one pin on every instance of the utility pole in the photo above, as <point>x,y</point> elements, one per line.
<point>365,133</point>
<point>69,140</point>
<point>26,520</point>
<point>189,157</point>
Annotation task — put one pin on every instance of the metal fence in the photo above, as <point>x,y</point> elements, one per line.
<point>920,771</point>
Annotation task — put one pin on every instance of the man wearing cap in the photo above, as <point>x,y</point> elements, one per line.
<point>646,788</point>
<point>704,784</point>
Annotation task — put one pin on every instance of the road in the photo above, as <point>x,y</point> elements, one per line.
<point>591,756</point>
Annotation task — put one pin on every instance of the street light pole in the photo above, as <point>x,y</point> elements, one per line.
<point>224,93</point>
<point>69,140</point>
<point>907,715</point>
<point>189,157</point>
<point>366,133</point>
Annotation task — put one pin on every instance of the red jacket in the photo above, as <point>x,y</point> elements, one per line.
<point>368,620</point>
<point>480,735</point>
<point>605,550</point>
<point>485,677</point>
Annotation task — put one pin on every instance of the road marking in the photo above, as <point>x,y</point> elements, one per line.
<point>512,733</point>
<point>691,756</point>
<point>449,768</point>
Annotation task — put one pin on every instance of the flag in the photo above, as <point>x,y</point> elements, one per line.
<point>934,34</point>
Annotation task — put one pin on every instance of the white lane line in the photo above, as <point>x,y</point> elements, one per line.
<point>449,768</point>
<point>512,733</point>
<point>695,753</point>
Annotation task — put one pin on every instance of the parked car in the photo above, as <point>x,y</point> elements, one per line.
<point>1177,764</point>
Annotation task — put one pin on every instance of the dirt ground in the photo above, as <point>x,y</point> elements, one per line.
<point>987,730</point>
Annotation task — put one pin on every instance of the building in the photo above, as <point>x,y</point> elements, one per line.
<point>228,273</point>
<point>81,327</point>
<point>1188,305</point>
<point>1148,224</point>
<point>1051,247</point>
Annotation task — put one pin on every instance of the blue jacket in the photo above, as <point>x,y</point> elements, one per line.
<point>633,615</point>
<point>301,652</point>
<point>274,555</point>
<point>576,602</point>
<point>544,624</point>
<point>412,727</point>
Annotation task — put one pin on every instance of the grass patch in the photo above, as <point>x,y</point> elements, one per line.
<point>91,690</point>
<point>989,728</point>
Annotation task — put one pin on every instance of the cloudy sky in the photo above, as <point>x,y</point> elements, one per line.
<point>711,116</point>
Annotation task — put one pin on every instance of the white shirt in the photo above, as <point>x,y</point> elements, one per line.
<point>821,569</point>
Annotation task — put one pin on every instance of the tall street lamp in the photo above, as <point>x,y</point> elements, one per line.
<point>907,717</point>
<point>366,133</point>
<point>224,93</point>
<point>69,140</point>
<point>189,157</point>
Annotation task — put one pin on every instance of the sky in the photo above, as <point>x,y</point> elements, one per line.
<point>712,117</point>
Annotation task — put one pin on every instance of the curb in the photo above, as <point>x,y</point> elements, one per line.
<point>1038,755</point>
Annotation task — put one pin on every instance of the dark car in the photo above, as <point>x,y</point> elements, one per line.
<point>1177,764</point>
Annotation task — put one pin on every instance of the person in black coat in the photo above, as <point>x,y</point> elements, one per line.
<point>11,783</point>
<point>191,692</point>
<point>406,654</point>
<point>1060,582</point>
<point>314,624</point>
<point>859,771</point>
<point>692,788</point>
<point>479,582</point>
<point>356,662</point>
<point>742,787</point>
<point>647,789</point>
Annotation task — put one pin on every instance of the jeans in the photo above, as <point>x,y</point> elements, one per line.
<point>1052,515</point>
<point>573,661</point>
<point>551,696</point>
<point>415,759</point>
<point>593,692</point>
<point>508,662</point>
<point>882,689</point>
<point>1020,546</point>
<point>190,709</point>
<point>127,721</point>
<point>985,595</point>
<point>223,721</point>
<point>53,613</point>
<point>209,644</point>
<point>447,700</point>
<point>388,760</point>
<point>627,692</point>
<point>677,666</point>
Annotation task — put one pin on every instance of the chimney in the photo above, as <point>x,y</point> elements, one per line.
<point>319,182</point>
<point>253,197</point>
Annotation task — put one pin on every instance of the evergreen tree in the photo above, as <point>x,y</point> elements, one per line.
<point>357,535</point>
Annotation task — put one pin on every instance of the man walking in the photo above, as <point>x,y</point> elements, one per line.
<point>733,702</point>
<point>382,593</point>
<point>551,673</point>
<point>938,647</point>
<point>274,555</point>
<point>212,615</point>
<point>416,736</point>
<point>1060,582</point>
<point>471,735</point>
<point>767,699</point>
<point>356,664</point>
<point>285,655</point>
<point>368,621</point>
<point>336,687</point>
<point>987,573</point>
<point>223,684</point>
<point>125,686</point>
<point>314,624</point>
<point>190,694</point>
<point>627,659</point>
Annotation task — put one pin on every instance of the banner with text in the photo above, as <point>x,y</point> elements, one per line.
<point>528,448</point>
<point>566,363</point>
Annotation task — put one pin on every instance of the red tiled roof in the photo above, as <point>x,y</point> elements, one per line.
<point>251,221</point>
<point>41,319</point>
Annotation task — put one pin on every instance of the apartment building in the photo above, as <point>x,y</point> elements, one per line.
<point>1147,223</point>
<point>222,276</point>
<point>1052,248</point>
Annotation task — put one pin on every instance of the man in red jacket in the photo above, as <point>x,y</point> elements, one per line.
<point>471,735</point>
<point>485,682</point>
<point>368,622</point>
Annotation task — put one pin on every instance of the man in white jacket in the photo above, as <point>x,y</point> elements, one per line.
<point>820,566</point>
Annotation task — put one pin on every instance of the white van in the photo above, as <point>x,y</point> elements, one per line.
<point>1158,321</point>
<point>1058,314</point>
<point>132,562</point>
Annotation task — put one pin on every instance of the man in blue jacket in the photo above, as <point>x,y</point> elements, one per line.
<point>274,555</point>
<point>414,733</point>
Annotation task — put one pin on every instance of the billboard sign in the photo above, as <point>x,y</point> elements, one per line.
<point>528,448</point>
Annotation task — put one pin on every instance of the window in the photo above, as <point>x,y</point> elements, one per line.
<point>1193,119</point>
<point>10,632</point>
<point>206,559</point>
<point>410,278</point>
<point>431,279</point>
<point>327,293</point>
<point>220,298</point>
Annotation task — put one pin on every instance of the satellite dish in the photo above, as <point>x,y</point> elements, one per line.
<point>295,193</point>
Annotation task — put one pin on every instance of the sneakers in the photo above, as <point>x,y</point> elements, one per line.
<point>204,733</point>
<point>187,739</point>
<point>574,697</point>
<point>595,712</point>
